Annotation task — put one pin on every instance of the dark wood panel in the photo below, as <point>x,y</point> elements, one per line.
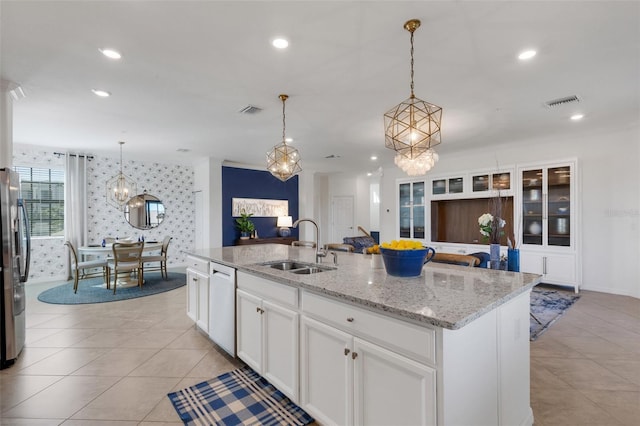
<point>275,240</point>
<point>456,221</point>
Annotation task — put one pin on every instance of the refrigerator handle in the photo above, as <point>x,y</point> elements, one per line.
<point>27,261</point>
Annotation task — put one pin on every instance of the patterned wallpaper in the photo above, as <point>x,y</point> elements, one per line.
<point>171,183</point>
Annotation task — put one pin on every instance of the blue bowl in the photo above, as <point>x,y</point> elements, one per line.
<point>403,263</point>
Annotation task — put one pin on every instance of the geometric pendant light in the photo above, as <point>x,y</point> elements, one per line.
<point>283,161</point>
<point>120,187</point>
<point>412,128</point>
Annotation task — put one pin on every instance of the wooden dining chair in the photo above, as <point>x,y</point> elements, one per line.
<point>303,244</point>
<point>127,259</point>
<point>161,259</point>
<point>339,247</point>
<point>85,269</point>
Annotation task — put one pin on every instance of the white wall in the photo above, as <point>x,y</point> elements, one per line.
<point>609,176</point>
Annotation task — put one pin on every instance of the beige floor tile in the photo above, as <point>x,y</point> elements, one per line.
<point>597,347</point>
<point>34,335</point>
<point>541,378</point>
<point>117,362</point>
<point>586,374</point>
<point>63,338</point>
<point>63,362</point>
<point>98,423</point>
<point>30,356</point>
<point>170,363</point>
<point>35,319</point>
<point>106,338</point>
<point>624,406</point>
<point>30,422</point>
<point>629,369</point>
<point>191,339</point>
<point>164,411</point>
<point>63,398</point>
<point>16,388</point>
<point>548,346</point>
<point>565,407</point>
<point>132,399</point>
<point>151,339</point>
<point>213,364</point>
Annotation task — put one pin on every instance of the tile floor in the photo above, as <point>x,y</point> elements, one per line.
<point>114,363</point>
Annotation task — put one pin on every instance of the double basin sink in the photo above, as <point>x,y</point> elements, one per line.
<point>297,267</point>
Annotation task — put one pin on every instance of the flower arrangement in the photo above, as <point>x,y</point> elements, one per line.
<point>491,224</point>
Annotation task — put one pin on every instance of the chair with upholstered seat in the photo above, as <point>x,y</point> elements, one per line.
<point>160,258</point>
<point>303,244</point>
<point>127,259</point>
<point>339,247</point>
<point>85,269</point>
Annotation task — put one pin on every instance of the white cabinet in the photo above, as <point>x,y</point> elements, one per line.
<point>267,331</point>
<point>347,379</point>
<point>198,292</point>
<point>411,205</point>
<point>549,211</point>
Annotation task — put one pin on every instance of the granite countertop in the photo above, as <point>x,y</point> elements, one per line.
<point>446,296</point>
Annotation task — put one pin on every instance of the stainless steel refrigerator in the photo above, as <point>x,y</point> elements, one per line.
<point>16,248</point>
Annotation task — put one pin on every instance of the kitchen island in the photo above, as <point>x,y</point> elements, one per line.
<point>353,345</point>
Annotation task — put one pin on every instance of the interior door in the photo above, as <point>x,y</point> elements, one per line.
<point>342,215</point>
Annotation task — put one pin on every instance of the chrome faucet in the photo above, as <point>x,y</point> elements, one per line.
<point>319,252</point>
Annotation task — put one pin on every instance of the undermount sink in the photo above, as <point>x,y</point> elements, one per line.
<point>297,267</point>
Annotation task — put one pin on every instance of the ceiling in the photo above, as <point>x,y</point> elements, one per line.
<point>188,68</point>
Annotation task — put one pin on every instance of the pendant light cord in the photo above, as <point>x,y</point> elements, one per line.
<point>283,122</point>
<point>412,95</point>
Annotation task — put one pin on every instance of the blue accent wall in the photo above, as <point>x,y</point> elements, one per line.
<point>247,183</point>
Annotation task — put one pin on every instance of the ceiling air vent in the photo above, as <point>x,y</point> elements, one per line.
<point>250,109</point>
<point>332,156</point>
<point>562,101</point>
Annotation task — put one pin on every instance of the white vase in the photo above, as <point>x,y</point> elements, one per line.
<point>535,228</point>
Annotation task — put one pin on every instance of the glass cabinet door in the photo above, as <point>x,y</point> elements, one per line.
<point>532,207</point>
<point>558,207</point>
<point>412,205</point>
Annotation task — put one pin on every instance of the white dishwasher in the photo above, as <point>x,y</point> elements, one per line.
<point>222,306</point>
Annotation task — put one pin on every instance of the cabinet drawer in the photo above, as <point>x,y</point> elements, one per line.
<point>268,289</point>
<point>198,264</point>
<point>414,341</point>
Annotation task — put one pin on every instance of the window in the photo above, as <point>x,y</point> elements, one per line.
<point>43,193</point>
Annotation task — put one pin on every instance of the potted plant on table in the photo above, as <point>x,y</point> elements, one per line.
<point>244,224</point>
<point>491,228</point>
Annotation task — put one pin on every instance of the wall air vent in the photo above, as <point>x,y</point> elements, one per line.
<point>250,109</point>
<point>562,101</point>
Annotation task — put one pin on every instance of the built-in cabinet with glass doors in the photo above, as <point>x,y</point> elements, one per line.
<point>549,221</point>
<point>411,208</point>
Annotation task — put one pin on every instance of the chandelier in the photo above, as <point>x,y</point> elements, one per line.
<point>412,128</point>
<point>419,165</point>
<point>120,187</point>
<point>283,161</point>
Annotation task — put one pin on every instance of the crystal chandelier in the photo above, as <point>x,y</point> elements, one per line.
<point>412,128</point>
<point>283,161</point>
<point>419,165</point>
<point>120,187</point>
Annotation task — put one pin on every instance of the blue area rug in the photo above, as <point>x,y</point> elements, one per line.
<point>547,306</point>
<point>239,397</point>
<point>94,290</point>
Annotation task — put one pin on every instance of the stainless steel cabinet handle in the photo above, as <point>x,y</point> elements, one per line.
<point>350,319</point>
<point>346,351</point>
<point>544,265</point>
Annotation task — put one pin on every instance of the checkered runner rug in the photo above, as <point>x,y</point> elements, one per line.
<point>239,397</point>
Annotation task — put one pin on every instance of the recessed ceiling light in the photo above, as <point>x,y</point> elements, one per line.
<point>527,54</point>
<point>288,140</point>
<point>374,158</point>
<point>576,117</point>
<point>110,53</point>
<point>280,43</point>
<point>369,174</point>
<point>101,93</point>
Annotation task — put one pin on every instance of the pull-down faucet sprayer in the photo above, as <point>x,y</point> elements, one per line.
<point>319,252</point>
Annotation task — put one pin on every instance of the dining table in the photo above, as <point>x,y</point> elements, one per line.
<point>104,251</point>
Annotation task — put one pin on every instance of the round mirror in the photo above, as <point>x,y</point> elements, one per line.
<point>144,211</point>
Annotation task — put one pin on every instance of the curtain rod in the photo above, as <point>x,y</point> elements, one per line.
<point>89,157</point>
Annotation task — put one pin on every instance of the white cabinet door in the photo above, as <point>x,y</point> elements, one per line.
<point>249,329</point>
<point>391,389</point>
<point>280,348</point>
<point>192,294</point>
<point>326,369</point>
<point>202,319</point>
<point>554,268</point>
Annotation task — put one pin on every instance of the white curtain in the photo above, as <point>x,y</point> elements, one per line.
<point>75,203</point>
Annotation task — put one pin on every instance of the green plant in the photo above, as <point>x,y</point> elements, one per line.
<point>244,224</point>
